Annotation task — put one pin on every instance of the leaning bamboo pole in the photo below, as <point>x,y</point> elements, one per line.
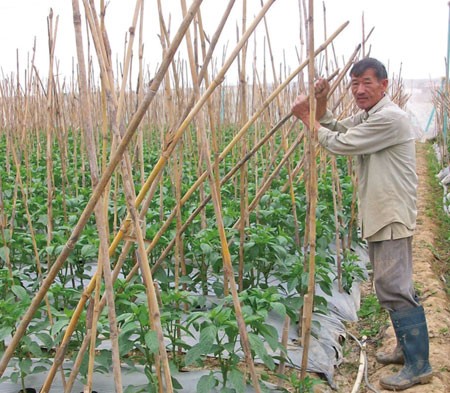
<point>52,31</point>
<point>98,191</point>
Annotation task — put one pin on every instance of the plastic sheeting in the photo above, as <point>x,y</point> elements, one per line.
<point>104,383</point>
<point>325,351</point>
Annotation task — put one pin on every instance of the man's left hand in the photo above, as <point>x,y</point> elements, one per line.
<point>300,108</point>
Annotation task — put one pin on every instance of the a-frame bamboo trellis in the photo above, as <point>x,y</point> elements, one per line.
<point>130,229</point>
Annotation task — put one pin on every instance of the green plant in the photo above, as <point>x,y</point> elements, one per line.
<point>263,249</point>
<point>373,317</point>
<point>305,385</point>
<point>351,271</point>
<point>138,342</point>
<point>174,306</point>
<point>34,348</point>
<point>294,281</point>
<point>218,336</point>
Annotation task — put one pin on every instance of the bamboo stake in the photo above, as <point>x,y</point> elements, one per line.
<point>243,171</point>
<point>336,209</point>
<point>311,138</point>
<point>140,97</point>
<point>101,219</point>
<point>50,89</point>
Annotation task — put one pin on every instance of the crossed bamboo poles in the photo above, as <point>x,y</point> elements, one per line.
<point>115,160</point>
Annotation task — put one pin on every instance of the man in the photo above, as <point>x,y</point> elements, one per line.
<point>380,137</point>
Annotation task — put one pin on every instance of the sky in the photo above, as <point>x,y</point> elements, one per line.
<point>409,36</point>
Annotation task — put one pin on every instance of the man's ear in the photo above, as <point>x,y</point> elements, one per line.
<point>385,83</point>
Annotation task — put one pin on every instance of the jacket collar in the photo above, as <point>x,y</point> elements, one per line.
<point>384,101</point>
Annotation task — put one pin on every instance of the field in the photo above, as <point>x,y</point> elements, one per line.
<point>185,233</point>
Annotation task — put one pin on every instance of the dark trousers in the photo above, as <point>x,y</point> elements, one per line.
<point>392,267</point>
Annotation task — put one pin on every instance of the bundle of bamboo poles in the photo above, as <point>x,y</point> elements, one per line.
<point>109,117</point>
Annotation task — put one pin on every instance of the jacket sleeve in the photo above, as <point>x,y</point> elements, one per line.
<point>328,121</point>
<point>354,137</point>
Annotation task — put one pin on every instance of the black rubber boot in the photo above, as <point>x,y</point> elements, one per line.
<point>411,330</point>
<point>394,357</point>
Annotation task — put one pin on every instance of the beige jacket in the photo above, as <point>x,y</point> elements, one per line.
<point>385,148</point>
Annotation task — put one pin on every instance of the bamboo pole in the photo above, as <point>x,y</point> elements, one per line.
<point>244,169</point>
<point>49,149</point>
<point>140,95</point>
<point>311,140</point>
<point>101,211</point>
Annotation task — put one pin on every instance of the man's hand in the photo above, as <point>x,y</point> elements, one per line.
<point>300,108</point>
<point>321,89</point>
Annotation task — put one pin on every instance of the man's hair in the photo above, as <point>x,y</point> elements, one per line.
<point>369,62</point>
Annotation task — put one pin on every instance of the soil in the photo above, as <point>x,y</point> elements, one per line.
<point>430,286</point>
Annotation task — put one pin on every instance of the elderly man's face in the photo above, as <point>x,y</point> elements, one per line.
<point>367,89</point>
